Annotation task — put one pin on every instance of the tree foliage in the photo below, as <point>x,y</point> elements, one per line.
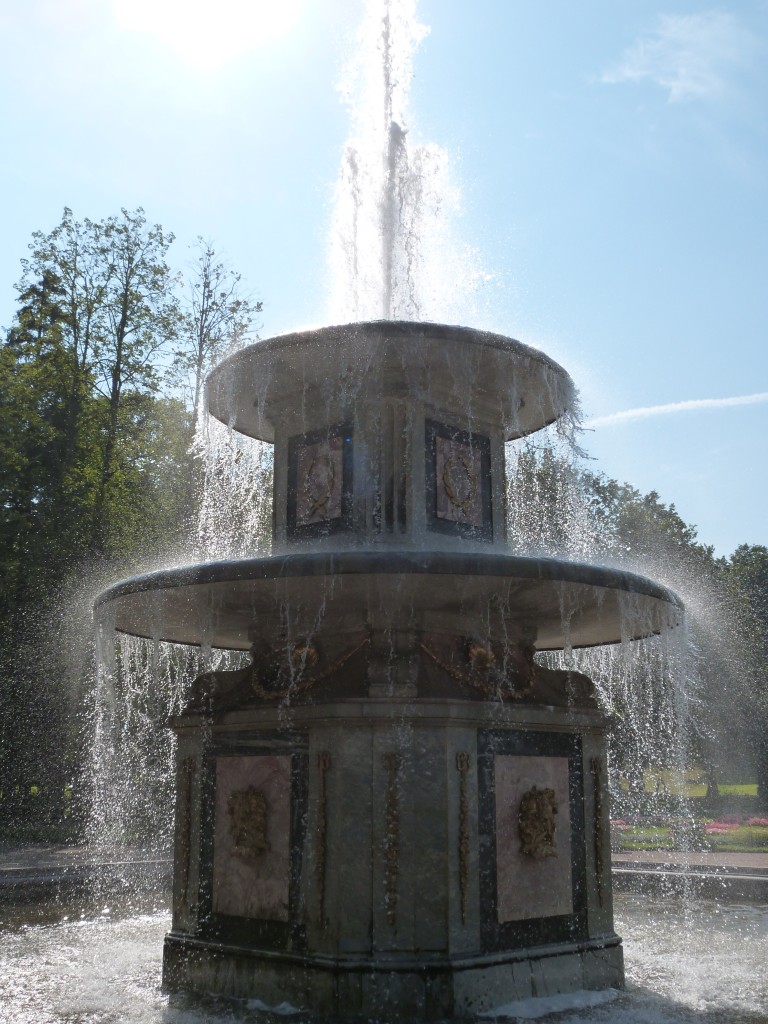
<point>217,318</point>
<point>748,591</point>
<point>727,604</point>
<point>95,457</point>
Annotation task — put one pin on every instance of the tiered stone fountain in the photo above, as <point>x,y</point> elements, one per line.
<point>393,810</point>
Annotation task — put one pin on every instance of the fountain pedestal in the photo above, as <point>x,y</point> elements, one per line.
<point>375,856</point>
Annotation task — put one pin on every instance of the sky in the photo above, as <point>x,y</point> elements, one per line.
<point>611,155</point>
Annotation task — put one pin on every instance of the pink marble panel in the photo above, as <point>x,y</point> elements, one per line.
<point>527,887</point>
<point>251,865</point>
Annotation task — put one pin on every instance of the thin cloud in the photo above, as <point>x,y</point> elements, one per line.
<point>692,405</point>
<point>689,55</point>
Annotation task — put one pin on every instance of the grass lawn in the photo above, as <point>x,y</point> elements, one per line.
<point>744,839</point>
<point>689,784</point>
<point>748,789</point>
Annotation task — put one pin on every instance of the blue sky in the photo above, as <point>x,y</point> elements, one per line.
<point>613,163</point>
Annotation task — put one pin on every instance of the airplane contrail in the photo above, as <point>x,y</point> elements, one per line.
<point>644,412</point>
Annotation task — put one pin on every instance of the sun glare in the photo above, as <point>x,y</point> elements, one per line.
<point>209,33</point>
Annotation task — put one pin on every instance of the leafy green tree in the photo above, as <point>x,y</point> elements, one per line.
<point>98,299</point>
<point>34,534</point>
<point>65,257</point>
<point>95,468</point>
<point>93,462</point>
<point>747,579</point>
<point>749,572</point>
<point>217,318</point>
<point>641,527</point>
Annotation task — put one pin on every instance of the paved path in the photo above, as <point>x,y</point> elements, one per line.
<point>42,858</point>
<point>730,877</point>
<point>36,857</point>
<point>742,863</point>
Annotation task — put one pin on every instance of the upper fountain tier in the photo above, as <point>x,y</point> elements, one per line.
<point>389,501</point>
<point>389,432</point>
<point>466,374</point>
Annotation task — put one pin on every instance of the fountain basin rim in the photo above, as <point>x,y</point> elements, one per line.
<point>405,328</point>
<point>329,348</point>
<point>323,563</point>
<point>314,567</point>
<point>405,962</point>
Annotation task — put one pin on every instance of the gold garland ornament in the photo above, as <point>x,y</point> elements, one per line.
<point>301,656</point>
<point>483,675</point>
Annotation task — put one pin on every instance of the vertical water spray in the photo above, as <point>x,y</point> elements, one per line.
<point>392,250</point>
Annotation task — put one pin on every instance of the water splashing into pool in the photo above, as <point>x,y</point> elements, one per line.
<point>698,963</point>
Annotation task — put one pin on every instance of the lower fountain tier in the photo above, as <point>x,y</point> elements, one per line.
<point>551,602</point>
<point>383,858</point>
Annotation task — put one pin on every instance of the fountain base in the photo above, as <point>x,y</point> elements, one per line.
<point>421,858</point>
<point>415,989</point>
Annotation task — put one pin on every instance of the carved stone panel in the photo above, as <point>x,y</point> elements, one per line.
<point>458,472</point>
<point>320,482</point>
<point>458,476</point>
<point>536,823</point>
<point>533,837</point>
<point>251,852</point>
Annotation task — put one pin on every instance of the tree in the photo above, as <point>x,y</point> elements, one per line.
<point>723,706</point>
<point>749,573</point>
<point>92,461</point>
<point>137,319</point>
<point>115,313</point>
<point>640,526</point>
<point>748,590</point>
<point>30,371</point>
<point>65,258</point>
<point>95,463</point>
<point>545,500</point>
<point>217,319</point>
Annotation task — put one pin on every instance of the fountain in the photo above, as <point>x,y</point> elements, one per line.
<point>392,809</point>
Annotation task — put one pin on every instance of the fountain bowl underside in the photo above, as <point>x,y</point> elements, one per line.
<point>229,604</point>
